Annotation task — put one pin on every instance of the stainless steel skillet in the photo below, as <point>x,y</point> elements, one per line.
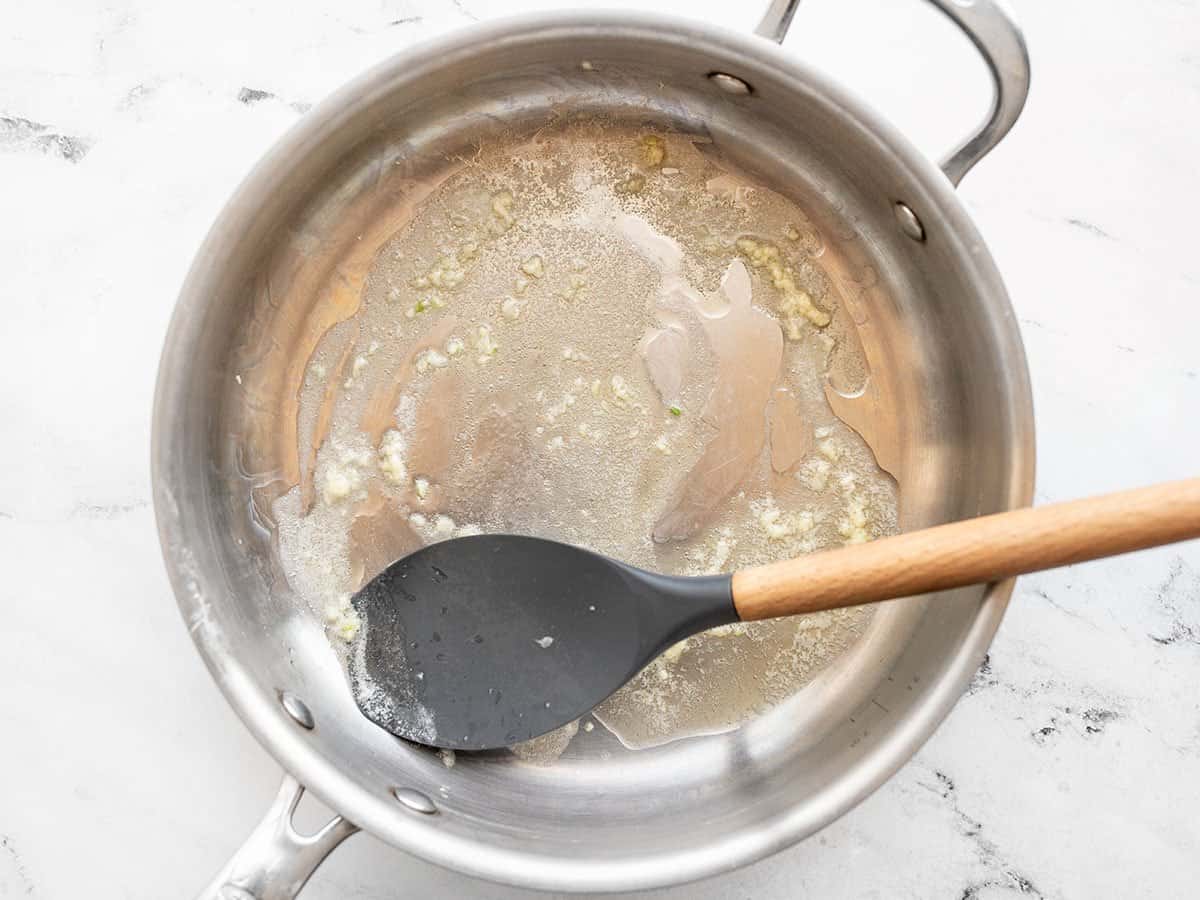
<point>952,404</point>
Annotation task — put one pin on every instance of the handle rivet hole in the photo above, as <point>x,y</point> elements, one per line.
<point>908,222</point>
<point>414,800</point>
<point>730,84</point>
<point>297,709</point>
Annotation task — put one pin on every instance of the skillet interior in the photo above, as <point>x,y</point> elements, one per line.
<point>956,417</point>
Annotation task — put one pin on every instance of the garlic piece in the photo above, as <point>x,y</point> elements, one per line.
<point>431,358</point>
<point>534,267</point>
<point>830,450</point>
<point>778,525</point>
<point>814,474</point>
<point>855,527</point>
<point>391,457</point>
<point>339,483</point>
<point>342,619</point>
<point>502,202</point>
<point>447,273</point>
<point>510,309</point>
<point>795,303</point>
<point>654,150</point>
<point>675,651</point>
<point>774,524</point>
<point>484,344</point>
<point>620,390</point>
<point>575,287</point>
<point>634,184</point>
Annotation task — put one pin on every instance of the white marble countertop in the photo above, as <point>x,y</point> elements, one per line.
<point>1072,768</point>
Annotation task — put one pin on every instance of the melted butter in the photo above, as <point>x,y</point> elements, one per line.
<point>642,402</point>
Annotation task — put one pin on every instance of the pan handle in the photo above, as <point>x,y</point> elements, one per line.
<point>276,861</point>
<point>999,41</point>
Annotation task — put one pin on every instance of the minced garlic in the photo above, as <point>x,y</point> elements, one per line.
<point>431,359</point>
<point>502,202</point>
<point>830,449</point>
<point>620,390</point>
<point>339,483</point>
<point>728,630</point>
<point>855,527</point>
<point>675,650</point>
<point>360,363</point>
<point>814,474</point>
<point>391,457</point>
<point>343,620</point>
<point>654,150</point>
<point>447,273</point>
<point>795,302</point>
<point>575,286</point>
<point>779,525</point>
<point>484,344</point>
<point>510,309</point>
<point>634,184</point>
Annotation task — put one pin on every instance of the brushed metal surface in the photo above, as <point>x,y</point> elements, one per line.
<point>959,435</point>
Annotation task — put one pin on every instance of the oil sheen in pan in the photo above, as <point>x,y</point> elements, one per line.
<point>609,337</point>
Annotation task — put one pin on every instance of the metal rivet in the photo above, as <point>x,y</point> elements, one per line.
<point>730,84</point>
<point>414,800</point>
<point>296,708</point>
<point>908,221</point>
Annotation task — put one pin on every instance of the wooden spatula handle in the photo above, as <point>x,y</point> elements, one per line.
<point>972,551</point>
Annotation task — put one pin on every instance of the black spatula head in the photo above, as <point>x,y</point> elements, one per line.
<point>484,641</point>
